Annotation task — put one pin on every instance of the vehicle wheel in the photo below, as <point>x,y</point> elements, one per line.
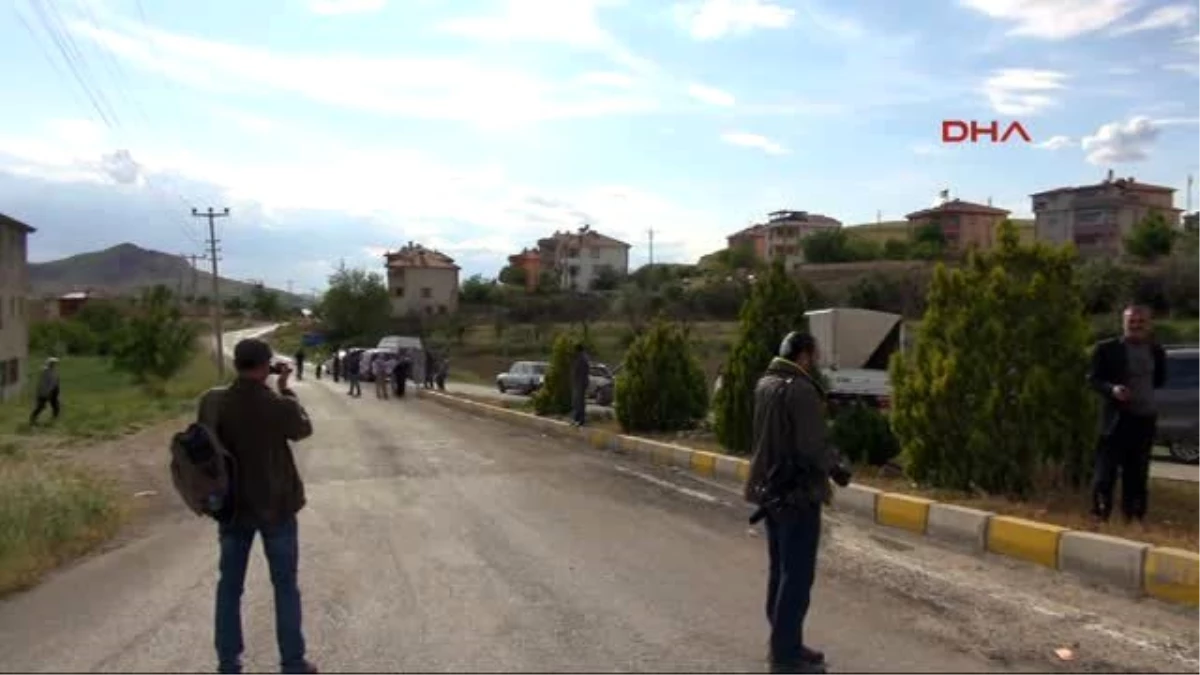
<point>500,386</point>
<point>1184,452</point>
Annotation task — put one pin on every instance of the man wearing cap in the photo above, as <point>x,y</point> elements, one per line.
<point>47,391</point>
<point>255,424</point>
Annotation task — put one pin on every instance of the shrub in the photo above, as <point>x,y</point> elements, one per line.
<point>992,396</point>
<point>661,386</point>
<point>61,337</point>
<point>775,307</point>
<point>157,341</point>
<point>104,320</point>
<point>864,435</point>
<point>554,397</point>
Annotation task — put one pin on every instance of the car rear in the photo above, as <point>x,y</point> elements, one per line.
<point>1178,399</point>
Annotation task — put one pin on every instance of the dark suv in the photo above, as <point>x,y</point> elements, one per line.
<point>1178,420</point>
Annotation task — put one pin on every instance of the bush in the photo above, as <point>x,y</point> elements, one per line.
<point>61,337</point>
<point>661,386</point>
<point>554,397</point>
<point>158,341</point>
<point>863,435</point>
<point>775,307</point>
<point>992,396</point>
<point>105,321</point>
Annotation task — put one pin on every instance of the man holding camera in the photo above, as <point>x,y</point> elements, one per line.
<point>789,481</point>
<point>255,425</point>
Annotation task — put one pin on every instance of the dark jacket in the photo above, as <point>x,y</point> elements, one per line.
<point>581,370</point>
<point>255,425</point>
<point>1110,367</point>
<point>790,438</point>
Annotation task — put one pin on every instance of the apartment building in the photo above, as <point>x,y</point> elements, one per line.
<point>421,281</point>
<point>965,224</point>
<point>529,260</point>
<point>579,258</point>
<point>1097,218</point>
<point>781,236</point>
<point>14,320</point>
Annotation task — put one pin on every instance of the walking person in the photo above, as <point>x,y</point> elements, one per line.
<point>381,370</point>
<point>400,374</point>
<point>443,372</point>
<point>256,426</point>
<point>299,357</point>
<point>337,365</point>
<point>353,373</point>
<point>1125,371</point>
<point>789,482</point>
<point>430,369</point>
<point>47,391</point>
<point>581,370</point>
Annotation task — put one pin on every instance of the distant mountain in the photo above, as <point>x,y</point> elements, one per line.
<point>127,269</point>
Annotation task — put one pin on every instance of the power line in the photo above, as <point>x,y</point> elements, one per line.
<point>213,257</point>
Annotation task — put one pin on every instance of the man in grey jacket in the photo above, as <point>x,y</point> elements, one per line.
<point>789,479</point>
<point>47,391</point>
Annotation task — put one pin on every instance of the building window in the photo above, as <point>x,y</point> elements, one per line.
<point>595,252</point>
<point>429,310</point>
<point>426,292</point>
<point>441,309</point>
<point>14,371</point>
<point>399,291</point>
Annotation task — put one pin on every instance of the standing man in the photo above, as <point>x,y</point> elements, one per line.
<point>581,369</point>
<point>353,372</point>
<point>401,373</point>
<point>381,370</point>
<point>47,391</point>
<point>300,363</point>
<point>255,425</point>
<point>1125,371</point>
<point>430,369</point>
<point>443,372</point>
<point>337,364</point>
<point>789,481</point>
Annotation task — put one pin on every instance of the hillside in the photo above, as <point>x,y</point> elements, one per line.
<point>127,269</point>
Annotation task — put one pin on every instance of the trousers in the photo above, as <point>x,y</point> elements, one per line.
<point>793,537</point>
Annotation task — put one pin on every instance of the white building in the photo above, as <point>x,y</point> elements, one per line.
<point>580,258</point>
<point>421,281</point>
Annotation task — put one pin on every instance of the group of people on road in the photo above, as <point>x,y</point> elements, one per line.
<point>390,371</point>
<point>792,466</point>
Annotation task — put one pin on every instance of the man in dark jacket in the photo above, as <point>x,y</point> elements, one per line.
<point>400,374</point>
<point>581,369</point>
<point>789,477</point>
<point>255,425</point>
<point>1125,371</point>
<point>337,365</point>
<point>353,366</point>
<point>299,358</point>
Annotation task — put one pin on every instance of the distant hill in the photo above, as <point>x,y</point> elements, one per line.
<point>126,269</point>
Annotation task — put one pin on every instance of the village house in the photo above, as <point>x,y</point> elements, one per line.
<point>1097,218</point>
<point>421,281</point>
<point>964,224</point>
<point>14,320</point>
<point>782,236</point>
<point>529,261</point>
<point>579,259</point>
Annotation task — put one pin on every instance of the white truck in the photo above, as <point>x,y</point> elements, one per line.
<point>854,347</point>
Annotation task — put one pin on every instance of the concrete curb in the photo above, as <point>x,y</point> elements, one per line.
<point>1168,574</point>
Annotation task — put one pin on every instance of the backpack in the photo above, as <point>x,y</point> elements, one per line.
<point>201,468</point>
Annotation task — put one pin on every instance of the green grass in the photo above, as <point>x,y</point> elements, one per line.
<point>101,403</point>
<point>52,508</point>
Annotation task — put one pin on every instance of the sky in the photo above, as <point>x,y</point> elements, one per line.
<point>335,130</point>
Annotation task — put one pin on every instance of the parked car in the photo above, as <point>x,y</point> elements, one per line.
<point>523,377</point>
<point>1178,419</point>
<point>599,376</point>
<point>605,391</point>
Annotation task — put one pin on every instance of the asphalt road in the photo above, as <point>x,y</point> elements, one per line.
<point>436,541</point>
<point>483,391</point>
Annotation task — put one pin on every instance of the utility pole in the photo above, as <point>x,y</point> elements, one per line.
<point>216,281</point>
<point>651,233</point>
<point>289,284</point>
<point>1189,194</point>
<point>192,258</point>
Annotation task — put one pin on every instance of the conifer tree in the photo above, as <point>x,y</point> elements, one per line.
<point>661,386</point>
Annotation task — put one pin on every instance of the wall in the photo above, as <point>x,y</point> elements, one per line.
<point>442,285</point>
<point>591,259</point>
<point>14,325</point>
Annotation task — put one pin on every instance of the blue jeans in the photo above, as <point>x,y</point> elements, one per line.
<point>281,545</point>
<point>793,534</point>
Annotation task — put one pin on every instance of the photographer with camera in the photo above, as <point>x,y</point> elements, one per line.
<point>790,471</point>
<point>255,425</point>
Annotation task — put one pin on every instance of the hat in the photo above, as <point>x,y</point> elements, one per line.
<point>251,353</point>
<point>51,361</point>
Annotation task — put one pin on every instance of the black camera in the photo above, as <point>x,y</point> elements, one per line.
<point>276,368</point>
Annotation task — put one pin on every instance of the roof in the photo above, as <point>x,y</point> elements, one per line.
<point>415,255</point>
<point>746,231</point>
<point>9,221</point>
<point>589,238</point>
<point>76,295</point>
<point>959,206</point>
<point>1122,183</point>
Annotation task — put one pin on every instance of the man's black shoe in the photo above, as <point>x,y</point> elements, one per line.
<point>800,667</point>
<point>809,655</point>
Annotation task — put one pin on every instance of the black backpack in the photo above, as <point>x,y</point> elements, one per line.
<point>201,468</point>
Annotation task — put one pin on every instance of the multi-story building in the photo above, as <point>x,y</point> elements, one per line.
<point>14,319</point>
<point>1097,218</point>
<point>421,281</point>
<point>965,224</point>
<point>530,261</point>
<point>579,258</point>
<point>782,235</point>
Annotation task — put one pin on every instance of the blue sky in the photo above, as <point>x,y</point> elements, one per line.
<point>335,129</point>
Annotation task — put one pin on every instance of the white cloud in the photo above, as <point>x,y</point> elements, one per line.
<point>714,19</point>
<point>1189,68</point>
<point>1170,16</point>
<point>607,79</point>
<point>711,95</point>
<point>1056,143</point>
<point>927,149</point>
<point>1054,19</point>
<point>427,88</point>
<point>1117,142</point>
<point>1022,91</point>
<point>748,140</point>
<point>335,7</point>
